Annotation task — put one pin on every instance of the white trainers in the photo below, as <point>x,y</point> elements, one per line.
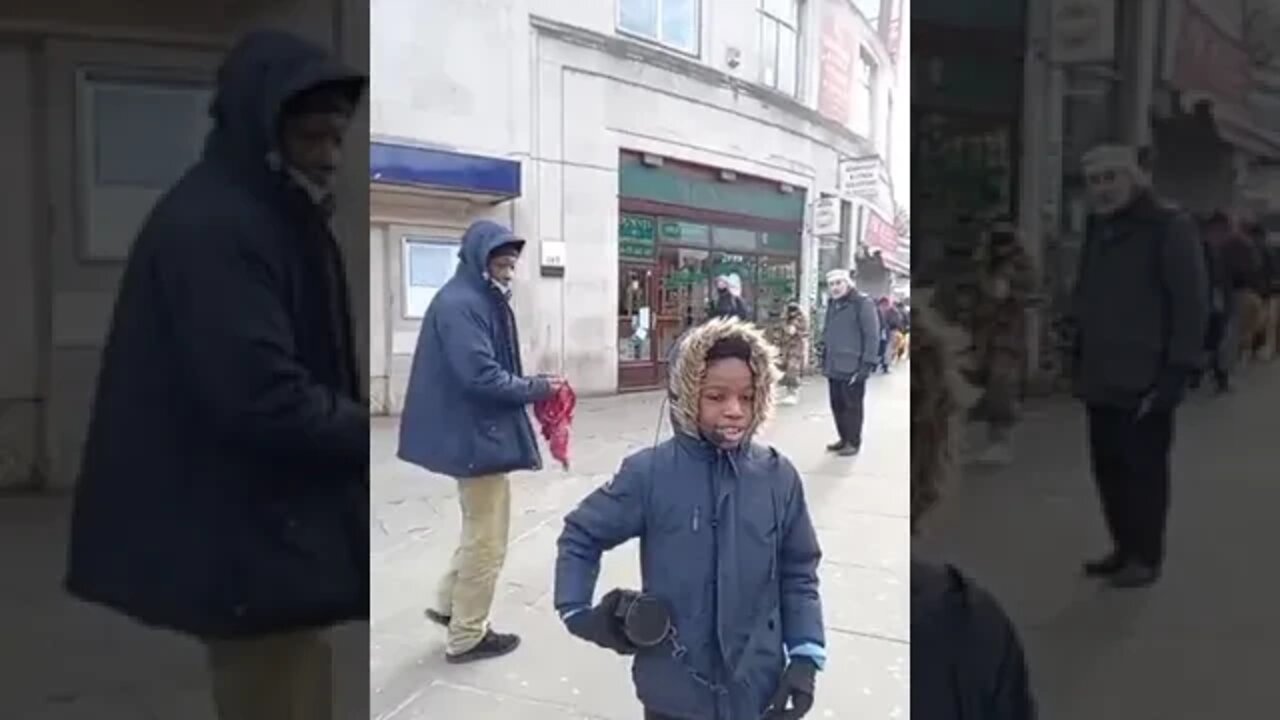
<point>789,399</point>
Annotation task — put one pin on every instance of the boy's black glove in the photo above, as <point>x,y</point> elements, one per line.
<point>796,685</point>
<point>602,625</point>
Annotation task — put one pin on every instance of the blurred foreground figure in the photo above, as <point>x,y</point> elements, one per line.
<point>1006,280</point>
<point>224,485</point>
<point>966,659</point>
<point>1141,308</point>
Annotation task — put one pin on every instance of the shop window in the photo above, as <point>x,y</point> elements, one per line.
<point>777,283</point>
<point>136,137</point>
<point>637,238</point>
<point>723,238</point>
<point>684,294</point>
<point>780,44</point>
<point>635,314</point>
<point>673,23</point>
<point>427,264</point>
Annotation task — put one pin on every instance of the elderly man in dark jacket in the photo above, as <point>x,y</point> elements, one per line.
<point>465,416</point>
<point>224,485</point>
<point>1141,306</point>
<point>850,353</point>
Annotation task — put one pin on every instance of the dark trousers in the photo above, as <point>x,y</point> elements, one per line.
<point>1131,468</point>
<point>648,715</point>
<point>846,408</point>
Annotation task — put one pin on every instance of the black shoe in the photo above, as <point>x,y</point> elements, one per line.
<point>837,446</point>
<point>1105,566</point>
<point>848,451</point>
<point>1134,575</point>
<point>438,618</point>
<point>491,646</point>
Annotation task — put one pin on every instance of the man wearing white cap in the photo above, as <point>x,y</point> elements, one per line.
<point>1141,310</point>
<point>850,350</point>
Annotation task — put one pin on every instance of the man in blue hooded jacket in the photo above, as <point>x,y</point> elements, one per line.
<point>465,416</point>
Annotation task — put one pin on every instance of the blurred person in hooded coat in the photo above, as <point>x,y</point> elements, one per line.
<point>223,490</point>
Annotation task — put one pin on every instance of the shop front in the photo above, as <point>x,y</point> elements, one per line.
<point>682,226</point>
<point>421,202</point>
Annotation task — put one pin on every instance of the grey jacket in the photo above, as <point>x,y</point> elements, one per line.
<point>850,336</point>
<point>1141,303</point>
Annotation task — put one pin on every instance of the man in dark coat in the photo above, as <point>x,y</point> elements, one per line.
<point>224,486</point>
<point>1141,309</point>
<point>465,416</point>
<point>850,353</point>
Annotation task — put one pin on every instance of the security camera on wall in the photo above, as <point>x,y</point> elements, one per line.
<point>733,58</point>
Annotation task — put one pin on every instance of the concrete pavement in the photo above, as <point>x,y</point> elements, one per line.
<point>859,505</point>
<point>1202,643</point>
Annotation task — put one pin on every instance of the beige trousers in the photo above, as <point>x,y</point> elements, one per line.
<point>277,677</point>
<point>466,591</point>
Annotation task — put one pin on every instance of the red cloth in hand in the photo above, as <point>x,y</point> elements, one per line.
<point>555,415</point>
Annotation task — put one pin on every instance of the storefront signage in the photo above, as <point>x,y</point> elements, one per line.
<point>1084,31</point>
<point>877,233</point>
<point>860,177</point>
<point>838,45</point>
<point>637,238</point>
<point>826,217</point>
<point>685,233</point>
<point>553,258</point>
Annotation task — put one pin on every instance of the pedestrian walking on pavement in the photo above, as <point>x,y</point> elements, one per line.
<point>966,658</point>
<point>1141,314</point>
<point>223,491</point>
<point>466,416</point>
<point>1221,302</point>
<point>850,348</point>
<point>729,555</point>
<point>793,344</point>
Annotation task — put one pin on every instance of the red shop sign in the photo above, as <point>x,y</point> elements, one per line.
<point>1208,60</point>
<point>879,234</point>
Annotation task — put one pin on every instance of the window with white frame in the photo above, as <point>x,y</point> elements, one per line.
<point>865,99</point>
<point>780,44</point>
<point>673,23</point>
<point>136,135</point>
<point>870,9</point>
<point>427,264</point>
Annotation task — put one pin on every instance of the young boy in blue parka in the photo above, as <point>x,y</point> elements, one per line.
<point>726,544</point>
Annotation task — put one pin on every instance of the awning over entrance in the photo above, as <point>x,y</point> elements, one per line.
<point>471,177</point>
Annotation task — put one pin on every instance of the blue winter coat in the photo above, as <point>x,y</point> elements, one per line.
<point>725,539</point>
<point>465,409</point>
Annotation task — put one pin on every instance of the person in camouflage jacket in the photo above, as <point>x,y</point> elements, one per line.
<point>1006,282</point>
<point>792,338</point>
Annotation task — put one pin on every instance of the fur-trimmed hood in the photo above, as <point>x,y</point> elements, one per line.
<point>689,366</point>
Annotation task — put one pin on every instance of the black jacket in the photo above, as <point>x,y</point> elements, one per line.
<point>966,660</point>
<point>223,490</point>
<point>1141,303</point>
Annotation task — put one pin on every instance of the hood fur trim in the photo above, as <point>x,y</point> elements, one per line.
<point>689,366</point>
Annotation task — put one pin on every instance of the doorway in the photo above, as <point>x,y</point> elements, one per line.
<point>637,357</point>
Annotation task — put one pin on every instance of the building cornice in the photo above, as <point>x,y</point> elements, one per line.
<point>626,48</point>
